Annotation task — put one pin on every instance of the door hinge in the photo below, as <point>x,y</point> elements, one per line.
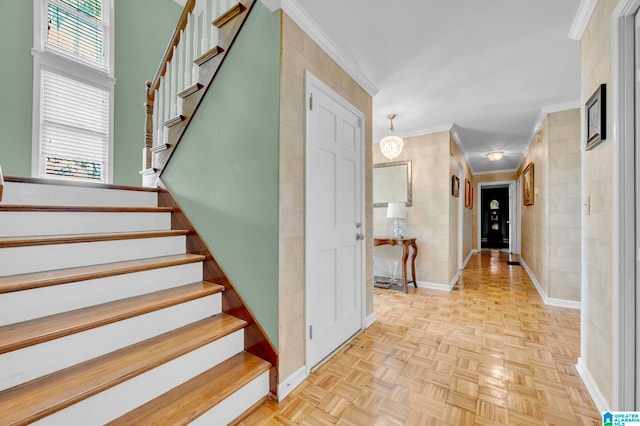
<point>310,332</point>
<point>311,102</point>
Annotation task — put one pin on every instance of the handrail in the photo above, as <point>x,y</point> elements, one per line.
<point>168,53</point>
<point>1,183</point>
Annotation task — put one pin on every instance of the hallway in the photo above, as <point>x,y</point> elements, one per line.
<point>489,352</point>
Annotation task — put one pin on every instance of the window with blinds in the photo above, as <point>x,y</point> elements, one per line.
<point>73,97</point>
<point>74,129</point>
<point>78,29</point>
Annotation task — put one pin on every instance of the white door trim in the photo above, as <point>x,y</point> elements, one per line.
<point>502,183</point>
<point>460,221</point>
<point>623,207</point>
<point>310,80</point>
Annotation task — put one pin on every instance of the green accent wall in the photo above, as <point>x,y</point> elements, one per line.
<point>143,30</point>
<point>16,90</point>
<point>225,172</point>
<point>139,45</point>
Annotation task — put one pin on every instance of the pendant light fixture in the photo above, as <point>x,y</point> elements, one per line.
<point>391,146</point>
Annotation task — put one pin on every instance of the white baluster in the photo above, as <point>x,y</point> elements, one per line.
<point>217,11</point>
<point>188,53</point>
<point>173,83</point>
<point>204,37</point>
<point>167,102</point>
<point>161,105</point>
<point>179,59</point>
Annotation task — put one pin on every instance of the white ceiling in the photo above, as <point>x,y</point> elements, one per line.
<point>488,67</point>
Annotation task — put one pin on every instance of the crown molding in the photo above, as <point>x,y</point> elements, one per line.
<point>493,172</point>
<point>546,110</point>
<point>425,131</point>
<point>313,30</point>
<point>585,10</point>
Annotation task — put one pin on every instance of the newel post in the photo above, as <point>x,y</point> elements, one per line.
<point>147,154</point>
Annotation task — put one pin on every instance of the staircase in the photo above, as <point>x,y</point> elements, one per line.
<point>201,41</point>
<point>105,317</point>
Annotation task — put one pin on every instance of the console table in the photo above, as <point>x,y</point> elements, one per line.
<point>406,243</point>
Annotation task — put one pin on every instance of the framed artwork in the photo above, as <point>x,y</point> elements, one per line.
<point>471,197</point>
<point>527,185</point>
<point>467,192</point>
<point>595,111</point>
<point>455,186</point>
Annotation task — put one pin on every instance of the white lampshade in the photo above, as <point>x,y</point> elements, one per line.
<point>397,210</point>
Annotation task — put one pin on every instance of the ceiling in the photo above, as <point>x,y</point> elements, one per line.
<point>486,67</point>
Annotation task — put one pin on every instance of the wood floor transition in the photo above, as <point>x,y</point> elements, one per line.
<point>487,353</point>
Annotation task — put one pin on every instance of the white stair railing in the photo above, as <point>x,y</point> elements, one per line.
<point>193,37</point>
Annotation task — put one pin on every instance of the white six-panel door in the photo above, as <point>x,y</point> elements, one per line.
<point>334,203</point>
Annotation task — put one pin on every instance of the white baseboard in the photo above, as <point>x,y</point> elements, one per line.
<point>598,399</point>
<point>550,301</point>
<point>434,286</point>
<point>454,281</point>
<point>290,383</point>
<point>471,253</point>
<point>370,319</point>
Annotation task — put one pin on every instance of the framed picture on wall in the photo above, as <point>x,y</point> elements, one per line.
<point>455,186</point>
<point>595,111</point>
<point>470,196</point>
<point>527,185</point>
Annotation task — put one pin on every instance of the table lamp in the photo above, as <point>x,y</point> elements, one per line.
<point>397,211</point>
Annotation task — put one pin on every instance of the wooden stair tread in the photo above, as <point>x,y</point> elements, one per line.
<point>61,182</point>
<point>230,14</point>
<point>193,398</point>
<point>85,238</point>
<point>32,332</point>
<point>92,209</point>
<point>207,56</point>
<point>43,396</point>
<point>62,276</point>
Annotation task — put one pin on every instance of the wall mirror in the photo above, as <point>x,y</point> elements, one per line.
<point>392,183</point>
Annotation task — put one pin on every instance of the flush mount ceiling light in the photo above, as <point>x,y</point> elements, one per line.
<point>495,155</point>
<point>391,146</point>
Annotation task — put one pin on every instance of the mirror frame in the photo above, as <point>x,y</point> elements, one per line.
<point>408,181</point>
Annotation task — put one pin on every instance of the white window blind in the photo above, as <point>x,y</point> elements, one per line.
<point>74,129</point>
<point>79,29</point>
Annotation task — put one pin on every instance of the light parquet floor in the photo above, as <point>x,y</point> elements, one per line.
<point>487,353</point>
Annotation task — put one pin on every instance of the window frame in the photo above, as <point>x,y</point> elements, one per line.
<point>63,64</point>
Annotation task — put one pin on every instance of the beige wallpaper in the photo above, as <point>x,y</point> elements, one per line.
<point>565,209</point>
<point>428,218</point>
<point>534,221</point>
<point>300,53</point>
<point>551,227</point>
<point>596,227</point>
<point>433,218</point>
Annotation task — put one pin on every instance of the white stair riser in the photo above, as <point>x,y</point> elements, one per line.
<point>20,260</point>
<point>39,302</point>
<point>34,361</point>
<point>59,195</point>
<point>236,404</point>
<point>22,224</point>
<point>120,399</point>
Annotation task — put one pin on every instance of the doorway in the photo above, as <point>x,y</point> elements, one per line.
<point>495,218</point>
<point>625,49</point>
<point>507,220</point>
<point>334,221</point>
